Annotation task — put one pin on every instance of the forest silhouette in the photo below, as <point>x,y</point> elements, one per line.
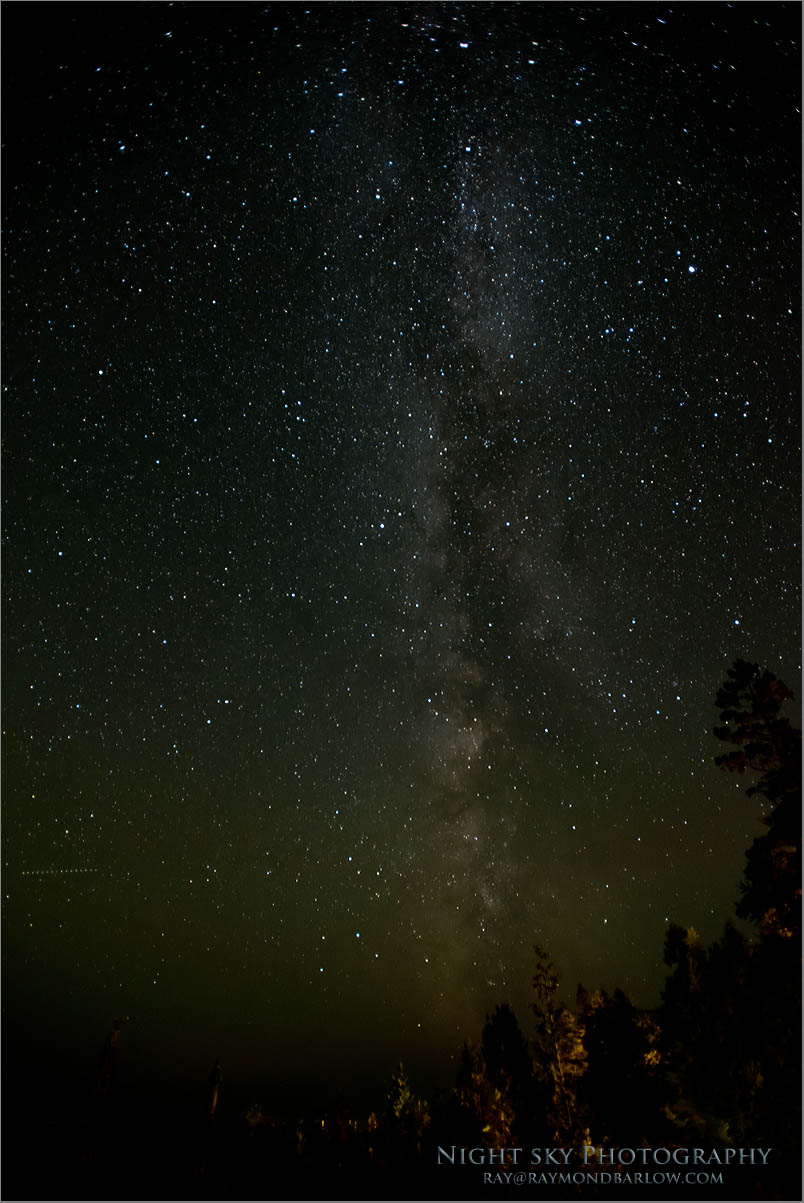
<point>715,1066</point>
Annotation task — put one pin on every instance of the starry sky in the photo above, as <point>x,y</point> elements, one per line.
<point>401,440</point>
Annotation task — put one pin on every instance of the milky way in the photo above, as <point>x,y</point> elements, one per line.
<point>401,441</point>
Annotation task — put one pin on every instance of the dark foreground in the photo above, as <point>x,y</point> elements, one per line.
<point>136,1147</point>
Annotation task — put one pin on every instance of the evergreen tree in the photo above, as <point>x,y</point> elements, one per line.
<point>731,1014</point>
<point>559,1052</point>
<point>486,1106</point>
<point>407,1115</point>
<point>623,1088</point>
<point>509,1067</point>
<point>767,744</point>
<point>728,1040</point>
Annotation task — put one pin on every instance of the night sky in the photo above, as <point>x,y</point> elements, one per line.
<point>401,440</point>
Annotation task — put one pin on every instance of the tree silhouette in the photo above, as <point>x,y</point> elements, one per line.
<point>623,1087</point>
<point>766,743</point>
<point>509,1067</point>
<point>407,1115</point>
<point>731,1013</point>
<point>485,1106</point>
<point>730,1024</point>
<point>560,1055</point>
